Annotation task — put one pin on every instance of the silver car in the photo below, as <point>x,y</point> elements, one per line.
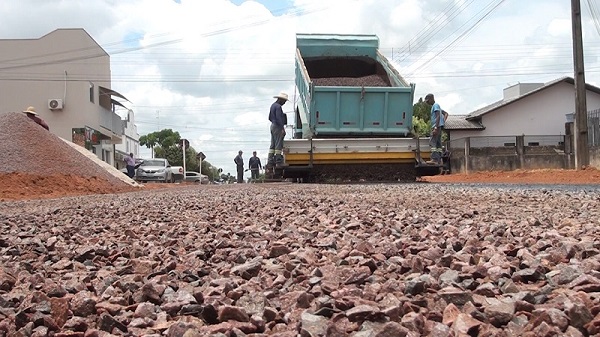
<point>195,177</point>
<point>157,169</point>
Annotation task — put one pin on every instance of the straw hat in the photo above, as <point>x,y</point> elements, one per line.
<point>281,95</point>
<point>30,110</point>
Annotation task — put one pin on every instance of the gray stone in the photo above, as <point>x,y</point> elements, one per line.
<point>312,325</point>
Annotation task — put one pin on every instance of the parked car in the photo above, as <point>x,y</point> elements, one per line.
<point>177,173</point>
<point>195,177</point>
<point>157,169</point>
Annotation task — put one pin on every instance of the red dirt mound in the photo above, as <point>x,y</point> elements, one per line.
<point>589,175</point>
<point>21,186</point>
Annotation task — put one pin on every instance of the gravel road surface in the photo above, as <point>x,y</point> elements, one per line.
<point>314,260</point>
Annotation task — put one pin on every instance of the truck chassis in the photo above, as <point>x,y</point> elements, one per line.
<point>354,160</point>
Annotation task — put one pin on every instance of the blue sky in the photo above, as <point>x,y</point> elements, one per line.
<point>275,6</point>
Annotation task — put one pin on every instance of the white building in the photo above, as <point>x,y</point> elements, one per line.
<point>130,143</point>
<point>66,76</point>
<point>531,109</point>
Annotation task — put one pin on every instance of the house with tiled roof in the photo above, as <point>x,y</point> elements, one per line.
<point>533,109</point>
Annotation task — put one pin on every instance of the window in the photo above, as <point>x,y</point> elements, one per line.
<point>509,144</point>
<point>533,144</point>
<point>91,92</point>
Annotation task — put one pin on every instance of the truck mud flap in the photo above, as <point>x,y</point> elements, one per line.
<point>424,170</point>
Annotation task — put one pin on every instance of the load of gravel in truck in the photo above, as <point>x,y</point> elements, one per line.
<point>347,72</point>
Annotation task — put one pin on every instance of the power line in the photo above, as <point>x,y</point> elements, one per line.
<point>297,12</point>
<point>595,14</point>
<point>460,36</point>
<point>437,24</point>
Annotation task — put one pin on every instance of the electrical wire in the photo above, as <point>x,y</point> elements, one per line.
<point>595,14</point>
<point>435,26</point>
<point>460,36</point>
<point>297,12</point>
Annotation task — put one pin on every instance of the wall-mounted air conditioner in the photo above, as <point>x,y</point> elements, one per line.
<point>55,104</point>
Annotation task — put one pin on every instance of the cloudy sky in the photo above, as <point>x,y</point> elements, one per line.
<point>209,68</point>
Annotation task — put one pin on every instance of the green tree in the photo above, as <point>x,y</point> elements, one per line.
<point>149,141</point>
<point>167,144</point>
<point>422,110</point>
<point>421,117</point>
<point>160,141</point>
<point>420,127</point>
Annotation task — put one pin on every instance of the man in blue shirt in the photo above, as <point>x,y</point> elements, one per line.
<point>437,125</point>
<point>278,121</point>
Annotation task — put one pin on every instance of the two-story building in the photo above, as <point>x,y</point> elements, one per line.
<point>130,143</point>
<point>66,76</point>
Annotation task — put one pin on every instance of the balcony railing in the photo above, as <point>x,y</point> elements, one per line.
<point>112,122</point>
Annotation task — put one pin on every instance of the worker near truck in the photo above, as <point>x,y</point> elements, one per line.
<point>437,126</point>
<point>239,163</point>
<point>30,112</point>
<point>278,121</point>
<point>254,165</point>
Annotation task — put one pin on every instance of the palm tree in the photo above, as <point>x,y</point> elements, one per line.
<point>149,141</point>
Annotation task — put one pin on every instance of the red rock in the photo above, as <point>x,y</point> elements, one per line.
<point>228,312</point>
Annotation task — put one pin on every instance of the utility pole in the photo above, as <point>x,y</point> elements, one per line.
<point>582,152</point>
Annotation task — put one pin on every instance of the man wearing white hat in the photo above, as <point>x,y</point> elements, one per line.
<point>30,112</point>
<point>278,121</point>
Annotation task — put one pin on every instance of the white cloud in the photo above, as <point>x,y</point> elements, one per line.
<point>560,28</point>
<point>209,69</point>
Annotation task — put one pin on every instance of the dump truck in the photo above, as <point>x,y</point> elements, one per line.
<point>353,115</point>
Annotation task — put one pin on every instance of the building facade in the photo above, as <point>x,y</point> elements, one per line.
<point>130,143</point>
<point>66,76</point>
<point>534,109</point>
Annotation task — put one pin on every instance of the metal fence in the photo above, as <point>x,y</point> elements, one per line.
<point>508,144</point>
<point>593,124</point>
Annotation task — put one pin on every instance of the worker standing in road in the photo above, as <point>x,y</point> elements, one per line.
<point>278,121</point>
<point>239,163</point>
<point>254,165</point>
<point>437,126</point>
<point>30,112</point>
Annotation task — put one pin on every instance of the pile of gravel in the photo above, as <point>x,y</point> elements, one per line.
<point>304,260</point>
<point>26,147</point>
<point>363,81</point>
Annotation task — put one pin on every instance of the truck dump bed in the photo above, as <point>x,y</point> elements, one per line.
<point>347,88</point>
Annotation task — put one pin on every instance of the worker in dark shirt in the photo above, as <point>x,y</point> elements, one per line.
<point>255,166</point>
<point>30,112</point>
<point>239,163</point>
<point>278,121</point>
